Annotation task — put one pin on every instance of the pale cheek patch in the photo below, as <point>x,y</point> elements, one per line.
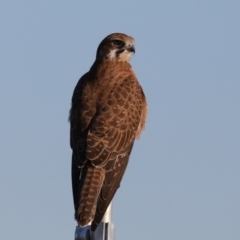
<point>124,56</point>
<point>112,54</point>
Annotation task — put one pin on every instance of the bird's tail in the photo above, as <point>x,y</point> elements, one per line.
<point>92,184</point>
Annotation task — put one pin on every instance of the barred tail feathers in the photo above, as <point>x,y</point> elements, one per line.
<point>89,195</point>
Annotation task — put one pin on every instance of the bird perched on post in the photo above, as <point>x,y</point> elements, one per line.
<point>108,112</point>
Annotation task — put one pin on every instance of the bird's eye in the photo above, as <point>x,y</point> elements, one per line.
<point>118,43</point>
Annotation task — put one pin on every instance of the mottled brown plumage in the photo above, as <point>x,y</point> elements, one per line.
<point>108,112</point>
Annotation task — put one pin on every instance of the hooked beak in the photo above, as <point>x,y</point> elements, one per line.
<point>131,48</point>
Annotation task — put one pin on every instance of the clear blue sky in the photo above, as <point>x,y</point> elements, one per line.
<point>183,179</point>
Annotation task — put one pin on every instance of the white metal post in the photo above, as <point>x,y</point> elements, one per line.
<point>104,231</point>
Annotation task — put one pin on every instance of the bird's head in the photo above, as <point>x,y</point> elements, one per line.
<point>116,47</point>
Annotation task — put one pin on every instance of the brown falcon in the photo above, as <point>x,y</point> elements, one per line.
<point>108,112</point>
